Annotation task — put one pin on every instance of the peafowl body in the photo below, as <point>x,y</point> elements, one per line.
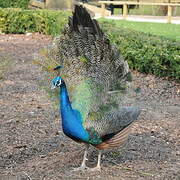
<point>93,76</point>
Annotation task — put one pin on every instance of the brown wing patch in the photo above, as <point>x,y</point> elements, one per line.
<point>116,140</point>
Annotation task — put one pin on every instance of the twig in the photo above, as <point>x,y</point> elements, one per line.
<point>130,169</point>
<point>27,175</point>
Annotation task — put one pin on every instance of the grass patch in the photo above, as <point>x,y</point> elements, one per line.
<point>171,31</point>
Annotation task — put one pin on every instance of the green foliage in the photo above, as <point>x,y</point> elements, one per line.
<point>42,21</point>
<point>168,30</point>
<point>145,52</point>
<point>14,3</point>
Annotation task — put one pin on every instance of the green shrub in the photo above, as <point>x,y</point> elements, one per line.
<point>42,21</point>
<point>14,3</point>
<point>145,52</point>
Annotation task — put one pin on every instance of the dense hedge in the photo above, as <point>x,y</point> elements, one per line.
<point>145,52</point>
<point>22,21</point>
<point>14,3</point>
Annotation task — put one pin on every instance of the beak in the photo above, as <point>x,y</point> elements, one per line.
<point>53,86</point>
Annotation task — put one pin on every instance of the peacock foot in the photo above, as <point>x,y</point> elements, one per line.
<point>97,168</point>
<point>81,168</point>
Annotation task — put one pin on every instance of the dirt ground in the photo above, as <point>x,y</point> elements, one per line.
<point>33,147</point>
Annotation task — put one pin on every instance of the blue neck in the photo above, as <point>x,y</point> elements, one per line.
<point>64,97</point>
<point>71,118</point>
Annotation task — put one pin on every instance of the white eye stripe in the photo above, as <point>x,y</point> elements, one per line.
<point>58,83</point>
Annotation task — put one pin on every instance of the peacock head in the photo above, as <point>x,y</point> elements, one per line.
<point>57,81</point>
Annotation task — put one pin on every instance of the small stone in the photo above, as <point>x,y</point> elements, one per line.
<point>28,34</point>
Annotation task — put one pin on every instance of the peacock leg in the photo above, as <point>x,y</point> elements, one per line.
<point>99,161</point>
<point>83,164</point>
<point>98,167</point>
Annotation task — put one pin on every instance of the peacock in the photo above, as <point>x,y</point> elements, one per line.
<point>93,78</point>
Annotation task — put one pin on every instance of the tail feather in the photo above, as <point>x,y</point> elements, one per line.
<point>92,66</point>
<point>82,20</point>
<point>83,43</point>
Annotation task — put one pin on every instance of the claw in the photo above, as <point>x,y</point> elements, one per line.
<point>81,168</point>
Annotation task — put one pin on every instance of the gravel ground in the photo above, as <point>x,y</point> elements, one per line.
<point>33,147</point>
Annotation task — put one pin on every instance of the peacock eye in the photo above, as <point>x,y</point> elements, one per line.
<point>58,83</point>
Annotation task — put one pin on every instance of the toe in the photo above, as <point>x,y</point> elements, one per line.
<point>81,168</point>
<point>98,168</point>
